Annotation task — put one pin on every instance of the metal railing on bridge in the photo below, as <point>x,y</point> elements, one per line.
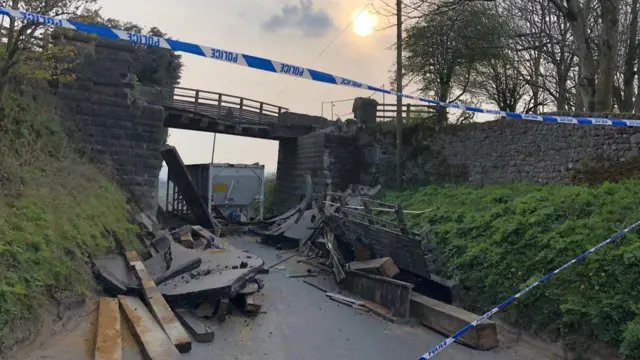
<point>217,105</point>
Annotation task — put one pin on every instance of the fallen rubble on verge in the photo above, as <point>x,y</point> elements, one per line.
<point>376,258</point>
<point>189,281</point>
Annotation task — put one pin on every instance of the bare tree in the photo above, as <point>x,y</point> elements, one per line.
<point>597,66</point>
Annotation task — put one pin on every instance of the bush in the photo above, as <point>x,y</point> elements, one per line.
<point>269,193</point>
<point>497,240</point>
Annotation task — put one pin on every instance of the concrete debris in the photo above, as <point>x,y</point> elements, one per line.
<point>206,309</point>
<point>252,305</point>
<point>219,276</point>
<point>200,331</point>
<point>223,310</point>
<point>185,276</point>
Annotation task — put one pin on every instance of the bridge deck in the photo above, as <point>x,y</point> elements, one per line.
<point>208,111</point>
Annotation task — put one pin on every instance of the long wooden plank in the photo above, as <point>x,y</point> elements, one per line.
<point>155,344</point>
<point>108,337</point>
<point>447,319</point>
<point>158,306</point>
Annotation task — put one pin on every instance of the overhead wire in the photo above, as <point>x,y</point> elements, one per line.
<point>334,39</point>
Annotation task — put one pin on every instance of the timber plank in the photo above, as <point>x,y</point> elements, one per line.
<point>154,342</point>
<point>448,320</point>
<point>108,338</point>
<point>158,306</point>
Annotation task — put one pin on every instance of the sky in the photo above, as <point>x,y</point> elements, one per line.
<point>291,31</point>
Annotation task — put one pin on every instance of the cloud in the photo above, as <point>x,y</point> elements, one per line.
<point>303,17</point>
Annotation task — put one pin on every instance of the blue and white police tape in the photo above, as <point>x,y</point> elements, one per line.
<point>484,317</point>
<point>273,66</point>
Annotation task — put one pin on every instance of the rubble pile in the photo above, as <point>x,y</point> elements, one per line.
<point>367,254</point>
<point>189,280</point>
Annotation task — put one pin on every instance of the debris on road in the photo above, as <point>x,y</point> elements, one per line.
<point>305,275</point>
<point>356,304</point>
<point>447,320</point>
<point>200,331</point>
<point>382,267</point>
<point>158,306</point>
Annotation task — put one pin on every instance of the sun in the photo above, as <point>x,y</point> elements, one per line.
<point>364,23</point>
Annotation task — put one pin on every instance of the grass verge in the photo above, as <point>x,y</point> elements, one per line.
<point>54,207</point>
<point>496,240</point>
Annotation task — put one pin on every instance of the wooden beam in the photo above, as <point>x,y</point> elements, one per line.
<point>154,342</point>
<point>108,337</point>
<point>447,320</point>
<point>158,306</point>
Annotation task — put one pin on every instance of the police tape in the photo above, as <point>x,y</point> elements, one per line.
<point>484,317</point>
<point>277,67</point>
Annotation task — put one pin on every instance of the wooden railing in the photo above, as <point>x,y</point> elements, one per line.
<point>387,112</point>
<point>218,105</point>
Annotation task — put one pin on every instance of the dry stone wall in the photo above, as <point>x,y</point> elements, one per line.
<point>495,152</point>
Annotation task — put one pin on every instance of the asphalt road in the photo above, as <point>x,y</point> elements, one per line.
<point>301,323</point>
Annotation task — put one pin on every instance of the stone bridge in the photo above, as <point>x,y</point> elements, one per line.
<point>124,126</point>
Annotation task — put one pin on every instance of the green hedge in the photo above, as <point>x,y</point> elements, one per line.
<point>497,240</point>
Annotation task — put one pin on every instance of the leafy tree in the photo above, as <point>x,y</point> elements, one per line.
<point>442,50</point>
<point>22,55</point>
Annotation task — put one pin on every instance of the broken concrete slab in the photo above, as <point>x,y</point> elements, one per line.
<point>110,283</point>
<point>162,241</point>
<point>222,274</point>
<point>448,320</point>
<point>158,306</point>
<point>154,342</point>
<point>108,337</point>
<point>114,273</point>
<point>197,329</point>
<point>381,267</point>
<point>174,261</point>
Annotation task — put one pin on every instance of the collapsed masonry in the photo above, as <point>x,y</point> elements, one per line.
<point>389,267</point>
